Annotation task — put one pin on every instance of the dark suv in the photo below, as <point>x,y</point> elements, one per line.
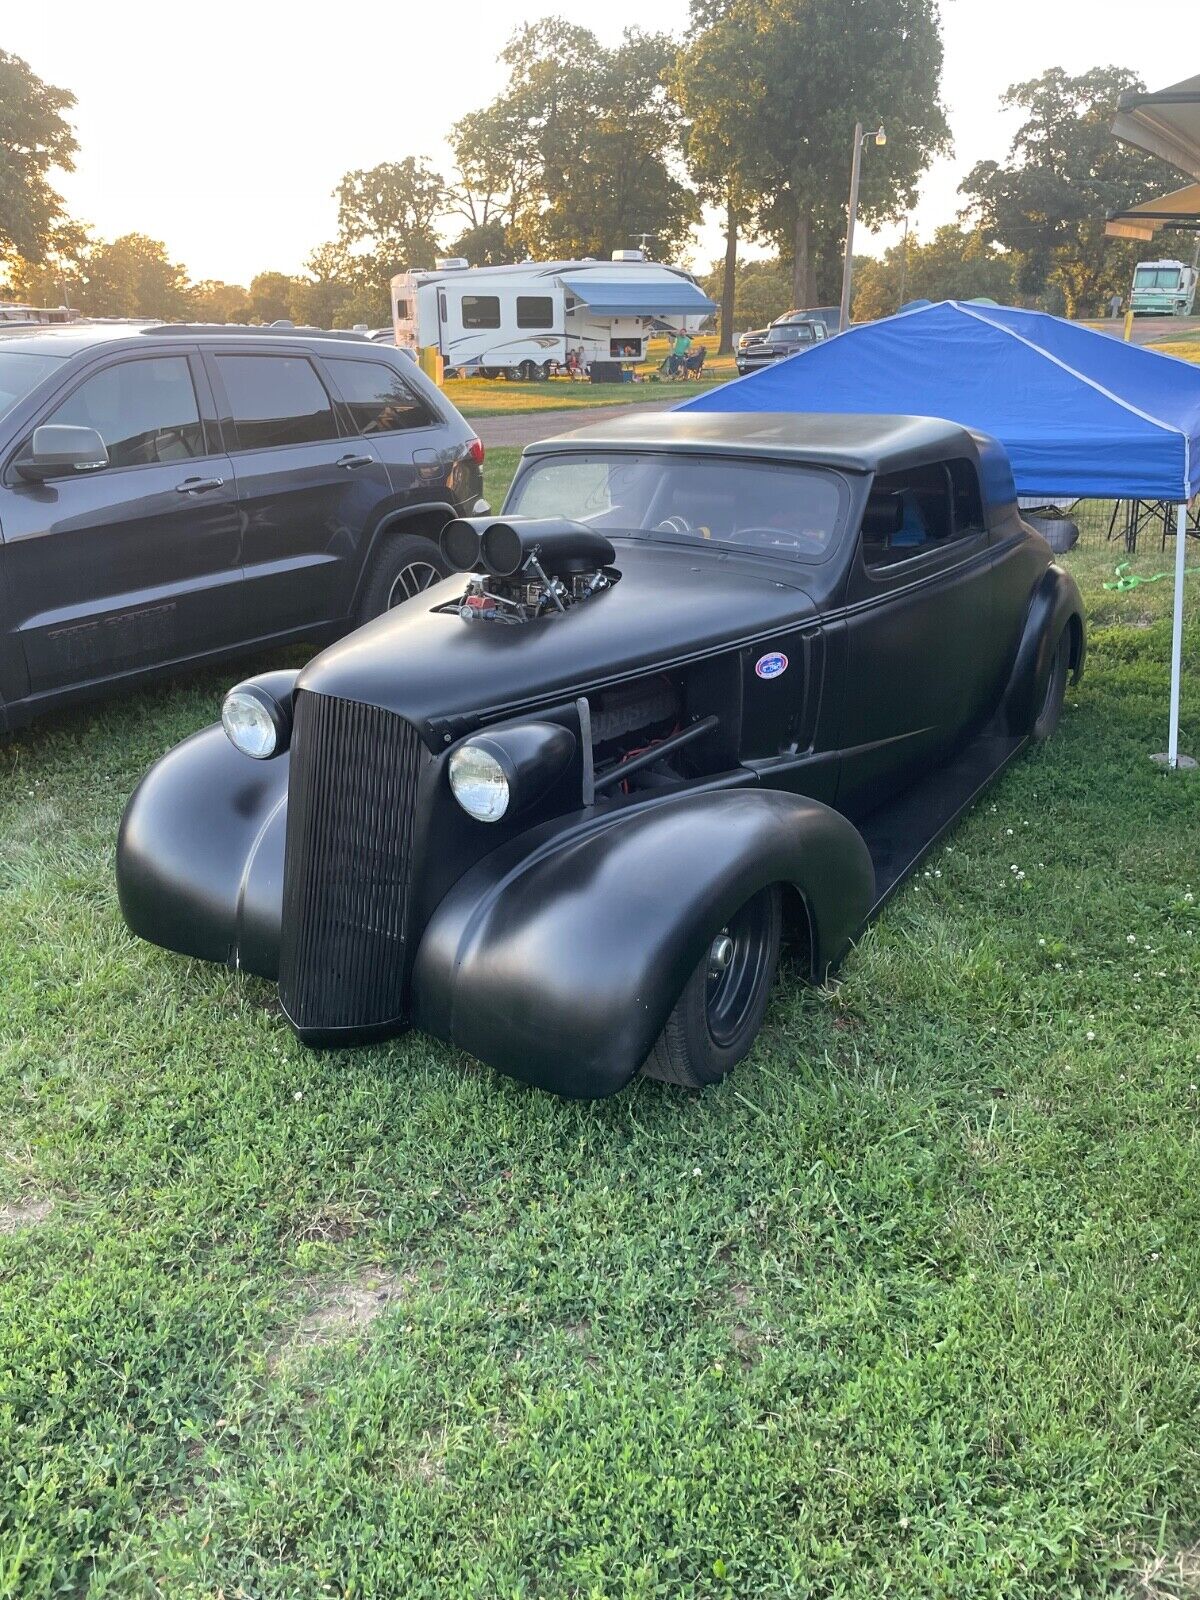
<point>170,494</point>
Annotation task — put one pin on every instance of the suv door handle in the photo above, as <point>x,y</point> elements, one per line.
<point>350,462</point>
<point>199,485</point>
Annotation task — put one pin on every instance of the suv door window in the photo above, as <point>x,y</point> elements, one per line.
<point>144,409</point>
<point>377,397</point>
<point>907,514</point>
<point>276,400</point>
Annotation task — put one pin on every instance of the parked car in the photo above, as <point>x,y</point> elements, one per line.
<point>710,680</point>
<point>780,340</point>
<point>827,316</point>
<point>171,494</point>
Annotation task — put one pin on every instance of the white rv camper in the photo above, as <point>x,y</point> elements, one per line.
<point>520,321</point>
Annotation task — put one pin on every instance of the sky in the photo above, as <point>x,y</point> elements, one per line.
<point>223,129</point>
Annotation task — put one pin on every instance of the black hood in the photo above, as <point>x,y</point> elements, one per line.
<point>670,605</point>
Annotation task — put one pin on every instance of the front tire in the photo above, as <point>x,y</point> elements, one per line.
<point>717,1017</point>
<point>407,564</point>
<point>1056,689</point>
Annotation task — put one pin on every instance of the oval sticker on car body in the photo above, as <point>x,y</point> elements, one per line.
<point>773,665</point>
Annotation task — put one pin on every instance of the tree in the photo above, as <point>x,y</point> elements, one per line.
<point>270,296</point>
<point>214,301</point>
<point>387,216</point>
<point>580,153</point>
<point>807,70</point>
<point>320,300</point>
<point>1064,172</point>
<point>956,264</point>
<point>34,139</point>
<point>133,277</point>
<point>761,291</point>
<point>706,83</point>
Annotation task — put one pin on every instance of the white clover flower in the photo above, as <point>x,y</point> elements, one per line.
<point>1131,938</point>
<point>696,1173</point>
<point>299,1095</point>
<point>1091,1034</point>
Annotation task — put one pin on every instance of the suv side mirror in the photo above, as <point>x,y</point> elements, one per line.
<point>58,449</point>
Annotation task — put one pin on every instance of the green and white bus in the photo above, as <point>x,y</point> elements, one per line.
<point>1163,289</point>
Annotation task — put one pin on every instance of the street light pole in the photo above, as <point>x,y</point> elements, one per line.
<point>851,214</point>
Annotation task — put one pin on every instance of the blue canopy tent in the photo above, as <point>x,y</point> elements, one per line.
<point>1081,414</point>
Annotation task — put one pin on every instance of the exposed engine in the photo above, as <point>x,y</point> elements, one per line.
<point>533,567</point>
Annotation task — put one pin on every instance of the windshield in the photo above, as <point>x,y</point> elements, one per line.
<point>1156,278</point>
<point>21,372</point>
<point>791,333</point>
<point>776,509</point>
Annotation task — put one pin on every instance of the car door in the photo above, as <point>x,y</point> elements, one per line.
<point>919,656</point>
<point>399,424</point>
<point>136,564</point>
<point>307,491</point>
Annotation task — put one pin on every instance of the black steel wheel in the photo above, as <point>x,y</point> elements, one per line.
<point>405,567</point>
<point>717,1017</point>
<point>1056,688</point>
<point>529,372</point>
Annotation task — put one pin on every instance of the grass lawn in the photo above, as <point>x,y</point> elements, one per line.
<point>908,1307</point>
<point>495,397</point>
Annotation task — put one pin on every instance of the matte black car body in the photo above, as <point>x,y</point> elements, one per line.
<point>111,575</point>
<point>553,943</point>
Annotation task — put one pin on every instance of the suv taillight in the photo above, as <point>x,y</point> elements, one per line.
<point>475,451</point>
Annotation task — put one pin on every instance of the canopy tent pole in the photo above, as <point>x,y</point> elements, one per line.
<point>1172,758</point>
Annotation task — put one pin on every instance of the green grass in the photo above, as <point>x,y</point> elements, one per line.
<point>484,397</point>
<point>907,1307</point>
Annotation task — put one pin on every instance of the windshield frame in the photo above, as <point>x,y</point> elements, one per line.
<point>688,542</point>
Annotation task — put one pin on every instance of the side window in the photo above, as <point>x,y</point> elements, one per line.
<point>276,400</point>
<point>481,311</point>
<point>907,512</point>
<point>441,305</point>
<point>401,310</point>
<point>535,311</point>
<point>968,504</point>
<point>377,397</point>
<point>144,410</point>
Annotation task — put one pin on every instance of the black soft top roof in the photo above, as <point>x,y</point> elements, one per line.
<point>851,442</point>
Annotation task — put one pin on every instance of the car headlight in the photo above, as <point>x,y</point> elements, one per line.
<point>257,722</point>
<point>479,782</point>
<point>508,768</point>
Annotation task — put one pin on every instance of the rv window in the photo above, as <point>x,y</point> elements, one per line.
<point>481,311</point>
<point>401,310</point>
<point>441,305</point>
<point>535,311</point>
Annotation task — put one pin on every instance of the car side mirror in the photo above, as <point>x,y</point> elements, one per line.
<point>58,449</point>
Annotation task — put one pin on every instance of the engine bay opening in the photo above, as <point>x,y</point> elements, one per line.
<point>692,715</point>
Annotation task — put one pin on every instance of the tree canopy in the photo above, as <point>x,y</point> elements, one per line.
<point>35,138</point>
<point>1064,172</point>
<point>957,263</point>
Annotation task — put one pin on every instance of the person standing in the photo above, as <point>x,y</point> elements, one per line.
<point>683,343</point>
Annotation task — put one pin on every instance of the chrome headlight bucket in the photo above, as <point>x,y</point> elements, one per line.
<point>501,772</point>
<point>257,716</point>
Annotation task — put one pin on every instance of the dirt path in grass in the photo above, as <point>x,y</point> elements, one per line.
<point>523,429</point>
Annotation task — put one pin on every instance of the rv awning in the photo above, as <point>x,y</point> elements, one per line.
<point>1179,209</point>
<point>1166,124</point>
<point>640,297</point>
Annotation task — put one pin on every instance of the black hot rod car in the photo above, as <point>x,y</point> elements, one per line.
<point>709,681</point>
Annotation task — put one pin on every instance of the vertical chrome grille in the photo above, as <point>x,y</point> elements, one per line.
<point>343,959</point>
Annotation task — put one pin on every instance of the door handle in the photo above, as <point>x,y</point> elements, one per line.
<point>199,485</point>
<point>350,462</point>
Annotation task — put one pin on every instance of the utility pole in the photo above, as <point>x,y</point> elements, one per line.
<point>903,265</point>
<point>851,214</point>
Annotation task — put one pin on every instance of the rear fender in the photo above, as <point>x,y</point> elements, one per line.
<point>559,957</point>
<point>1056,604</point>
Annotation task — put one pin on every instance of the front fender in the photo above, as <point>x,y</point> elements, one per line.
<point>200,853</point>
<point>1055,604</point>
<point>559,962</point>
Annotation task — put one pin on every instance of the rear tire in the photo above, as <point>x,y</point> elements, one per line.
<point>1056,689</point>
<point>717,1017</point>
<point>405,565</point>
